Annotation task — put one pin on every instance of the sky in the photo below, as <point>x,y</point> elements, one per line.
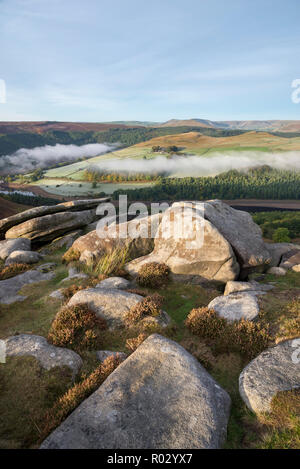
<point>100,60</point>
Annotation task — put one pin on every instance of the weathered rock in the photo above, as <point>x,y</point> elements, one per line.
<point>9,288</point>
<point>159,397</point>
<point>73,273</point>
<point>103,354</point>
<point>191,246</point>
<point>65,241</point>
<point>10,245</point>
<point>241,232</point>
<point>235,287</point>
<point>73,205</point>
<point>236,306</point>
<point>111,304</point>
<point>280,271</point>
<point>114,282</point>
<point>277,250</point>
<point>136,235</point>
<point>57,295</point>
<point>290,259</point>
<point>296,268</point>
<point>49,227</point>
<point>48,355</point>
<point>23,257</point>
<point>274,370</point>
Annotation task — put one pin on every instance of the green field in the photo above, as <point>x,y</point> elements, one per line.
<point>68,188</point>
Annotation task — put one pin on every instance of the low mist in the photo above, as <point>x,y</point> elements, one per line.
<point>200,165</point>
<point>29,159</point>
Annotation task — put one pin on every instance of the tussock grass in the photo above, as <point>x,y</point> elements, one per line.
<point>13,269</point>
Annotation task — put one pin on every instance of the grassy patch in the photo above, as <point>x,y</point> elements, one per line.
<point>27,391</point>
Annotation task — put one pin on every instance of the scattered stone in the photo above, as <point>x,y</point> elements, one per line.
<point>296,268</point>
<point>111,304</point>
<point>57,295</point>
<point>23,257</point>
<point>103,354</point>
<point>114,282</point>
<point>73,273</point>
<point>236,306</point>
<point>48,355</point>
<point>159,397</point>
<point>9,288</point>
<point>10,245</point>
<point>235,287</point>
<point>202,252</point>
<point>274,370</point>
<point>280,271</point>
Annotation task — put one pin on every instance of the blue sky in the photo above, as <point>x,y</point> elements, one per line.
<point>97,60</point>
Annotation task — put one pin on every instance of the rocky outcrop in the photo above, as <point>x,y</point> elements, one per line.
<point>239,229</point>
<point>23,257</point>
<point>74,205</point>
<point>110,304</point>
<point>190,245</point>
<point>9,288</point>
<point>159,397</point>
<point>114,282</point>
<point>278,250</point>
<point>48,355</point>
<point>290,259</point>
<point>10,245</point>
<point>236,306</point>
<point>48,227</point>
<point>274,370</point>
<point>136,235</point>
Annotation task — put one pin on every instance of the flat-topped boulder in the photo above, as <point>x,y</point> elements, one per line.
<point>73,205</point>
<point>158,398</point>
<point>241,232</point>
<point>274,370</point>
<point>48,355</point>
<point>110,304</point>
<point>136,235</point>
<point>23,257</point>
<point>48,227</point>
<point>252,286</point>
<point>236,306</point>
<point>9,289</point>
<point>190,245</point>
<point>8,246</point>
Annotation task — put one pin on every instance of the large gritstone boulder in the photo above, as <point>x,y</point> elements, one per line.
<point>241,232</point>
<point>278,250</point>
<point>274,370</point>
<point>160,397</point>
<point>136,235</point>
<point>190,246</point>
<point>73,205</point>
<point>49,227</point>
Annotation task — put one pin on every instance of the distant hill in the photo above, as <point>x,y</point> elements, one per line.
<point>267,125</point>
<point>48,126</point>
<point>252,140</point>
